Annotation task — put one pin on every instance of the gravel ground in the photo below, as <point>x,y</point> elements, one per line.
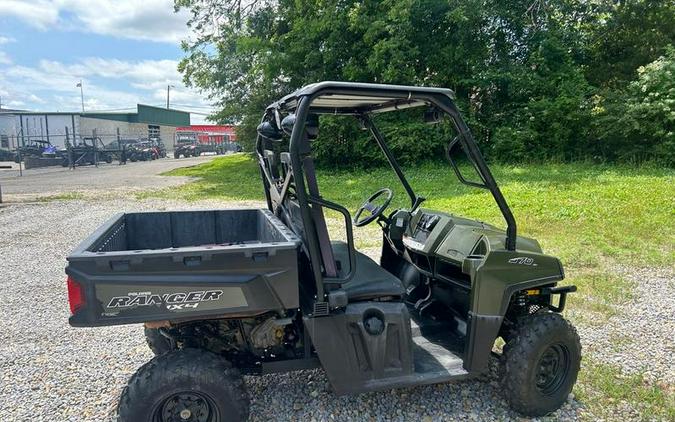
<point>639,339</point>
<point>52,372</point>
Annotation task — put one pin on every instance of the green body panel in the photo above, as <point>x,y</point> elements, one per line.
<point>503,273</point>
<point>479,250</point>
<point>473,255</point>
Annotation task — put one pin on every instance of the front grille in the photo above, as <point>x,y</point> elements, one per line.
<point>320,308</point>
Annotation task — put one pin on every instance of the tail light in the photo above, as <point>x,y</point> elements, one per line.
<point>75,296</point>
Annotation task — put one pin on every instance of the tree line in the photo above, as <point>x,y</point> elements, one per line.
<point>536,80</point>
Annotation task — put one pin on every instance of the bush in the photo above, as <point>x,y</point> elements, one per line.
<point>638,123</point>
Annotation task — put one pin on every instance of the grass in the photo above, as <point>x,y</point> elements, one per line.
<point>66,196</point>
<point>584,214</point>
<point>606,388</point>
<point>592,217</point>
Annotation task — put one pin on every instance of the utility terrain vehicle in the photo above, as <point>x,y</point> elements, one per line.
<point>32,148</point>
<point>188,144</point>
<point>146,150</point>
<point>88,151</point>
<point>256,291</point>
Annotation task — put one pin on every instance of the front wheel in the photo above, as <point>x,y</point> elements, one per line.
<point>185,385</point>
<point>541,361</point>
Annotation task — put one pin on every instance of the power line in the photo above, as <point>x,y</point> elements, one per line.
<point>193,105</point>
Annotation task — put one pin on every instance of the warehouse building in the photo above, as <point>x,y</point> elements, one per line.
<point>20,127</point>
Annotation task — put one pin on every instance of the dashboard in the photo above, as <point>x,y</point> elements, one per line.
<point>438,243</point>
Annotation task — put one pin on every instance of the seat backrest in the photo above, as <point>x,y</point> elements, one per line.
<point>319,220</point>
<point>272,165</point>
<point>292,216</point>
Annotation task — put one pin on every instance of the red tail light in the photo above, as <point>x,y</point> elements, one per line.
<point>75,296</point>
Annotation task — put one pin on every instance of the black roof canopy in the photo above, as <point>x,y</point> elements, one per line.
<point>354,98</point>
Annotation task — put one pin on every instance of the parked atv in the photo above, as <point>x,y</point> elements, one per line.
<point>145,151</point>
<point>32,148</point>
<point>187,149</point>
<point>158,148</point>
<point>229,292</point>
<point>188,144</point>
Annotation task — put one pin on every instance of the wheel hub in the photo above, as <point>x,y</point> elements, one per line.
<point>552,369</point>
<point>186,407</point>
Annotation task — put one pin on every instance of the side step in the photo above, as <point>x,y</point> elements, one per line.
<point>431,358</point>
<point>433,364</point>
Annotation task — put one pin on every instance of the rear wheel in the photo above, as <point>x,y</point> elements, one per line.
<point>157,342</point>
<point>541,361</point>
<point>188,385</point>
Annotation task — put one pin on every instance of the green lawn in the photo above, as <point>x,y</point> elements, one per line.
<point>592,217</point>
<point>584,214</point>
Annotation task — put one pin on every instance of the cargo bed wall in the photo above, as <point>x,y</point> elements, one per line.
<point>195,264</point>
<point>161,230</point>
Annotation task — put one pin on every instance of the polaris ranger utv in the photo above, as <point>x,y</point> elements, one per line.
<point>256,291</point>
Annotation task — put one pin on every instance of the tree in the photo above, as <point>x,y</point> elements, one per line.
<point>527,73</point>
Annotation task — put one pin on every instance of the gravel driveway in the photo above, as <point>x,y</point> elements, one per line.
<point>52,372</point>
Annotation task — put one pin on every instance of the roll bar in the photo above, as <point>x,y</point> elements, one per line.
<point>396,98</point>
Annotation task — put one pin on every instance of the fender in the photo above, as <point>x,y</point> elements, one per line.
<point>501,274</point>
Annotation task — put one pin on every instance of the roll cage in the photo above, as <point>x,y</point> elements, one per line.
<point>360,100</point>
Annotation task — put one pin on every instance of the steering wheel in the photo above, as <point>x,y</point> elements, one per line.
<point>374,210</point>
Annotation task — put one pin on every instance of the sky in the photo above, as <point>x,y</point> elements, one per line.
<point>124,51</point>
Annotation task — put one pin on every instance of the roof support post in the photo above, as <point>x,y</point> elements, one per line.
<point>368,122</point>
<point>475,155</point>
<point>295,149</point>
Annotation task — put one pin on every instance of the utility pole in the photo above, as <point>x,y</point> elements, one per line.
<point>81,94</point>
<point>168,88</point>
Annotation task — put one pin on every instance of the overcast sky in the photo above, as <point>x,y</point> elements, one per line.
<point>124,51</point>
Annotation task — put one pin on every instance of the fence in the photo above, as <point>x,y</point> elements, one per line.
<point>72,149</point>
<point>76,149</point>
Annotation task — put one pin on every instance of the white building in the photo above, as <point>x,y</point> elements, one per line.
<point>20,127</point>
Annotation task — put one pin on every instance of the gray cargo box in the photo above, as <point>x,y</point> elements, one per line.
<point>178,265</point>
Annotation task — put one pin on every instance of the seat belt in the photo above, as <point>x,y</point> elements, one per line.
<point>319,219</point>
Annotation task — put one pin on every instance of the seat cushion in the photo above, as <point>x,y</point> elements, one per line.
<point>370,280</point>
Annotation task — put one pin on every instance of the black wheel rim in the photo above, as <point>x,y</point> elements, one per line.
<point>552,369</point>
<point>186,406</point>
